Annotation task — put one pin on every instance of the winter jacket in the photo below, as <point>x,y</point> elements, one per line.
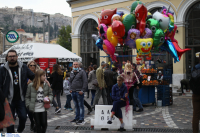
<point>115,75</point>
<point>6,80</point>
<point>91,78</point>
<point>57,81</point>
<point>140,79</point>
<point>79,81</point>
<point>108,76</point>
<point>2,110</point>
<point>100,77</point>
<point>32,94</point>
<point>118,93</point>
<point>66,87</point>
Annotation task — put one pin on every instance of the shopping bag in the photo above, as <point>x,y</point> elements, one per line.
<point>8,120</point>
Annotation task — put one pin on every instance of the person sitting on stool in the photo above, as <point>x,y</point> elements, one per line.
<point>184,82</point>
<point>119,94</point>
<point>160,77</point>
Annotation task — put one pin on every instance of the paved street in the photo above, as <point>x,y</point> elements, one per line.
<point>175,118</point>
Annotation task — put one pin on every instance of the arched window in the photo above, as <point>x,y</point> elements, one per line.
<point>192,35</point>
<point>89,50</point>
<point>152,11</point>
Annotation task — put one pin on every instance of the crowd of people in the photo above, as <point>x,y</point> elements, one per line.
<point>31,90</point>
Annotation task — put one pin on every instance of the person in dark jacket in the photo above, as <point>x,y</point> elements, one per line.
<point>13,83</point>
<point>119,94</point>
<point>137,87</point>
<point>2,110</point>
<point>48,75</point>
<point>108,77</point>
<point>115,75</point>
<point>57,86</point>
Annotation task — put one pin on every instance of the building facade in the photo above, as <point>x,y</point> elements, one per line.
<point>85,14</point>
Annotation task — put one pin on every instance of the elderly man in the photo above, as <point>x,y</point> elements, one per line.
<point>78,85</point>
<point>101,85</point>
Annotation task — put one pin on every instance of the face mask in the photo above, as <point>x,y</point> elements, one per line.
<point>48,71</point>
<point>104,67</point>
<point>68,78</point>
<point>75,68</point>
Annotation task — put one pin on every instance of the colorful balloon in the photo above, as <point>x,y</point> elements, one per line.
<point>111,37</point>
<point>124,16</point>
<point>109,49</point>
<point>116,17</point>
<point>99,41</point>
<point>153,25</point>
<point>158,39</point>
<point>129,22</point>
<point>102,31</point>
<point>141,15</point>
<point>106,15</point>
<point>144,47</point>
<point>120,13</point>
<point>163,20</point>
<point>164,10</point>
<point>118,29</point>
<point>133,34</point>
<point>134,5</point>
<point>147,33</point>
<point>180,51</point>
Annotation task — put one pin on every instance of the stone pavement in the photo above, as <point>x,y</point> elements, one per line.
<point>175,118</point>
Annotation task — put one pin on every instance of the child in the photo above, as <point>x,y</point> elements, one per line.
<point>38,95</point>
<point>67,92</point>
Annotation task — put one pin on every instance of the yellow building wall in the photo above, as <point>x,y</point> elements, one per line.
<point>87,3</point>
<point>76,46</point>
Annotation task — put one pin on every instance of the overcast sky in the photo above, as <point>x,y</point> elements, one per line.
<point>46,6</point>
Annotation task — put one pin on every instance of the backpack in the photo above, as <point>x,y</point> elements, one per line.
<point>194,81</point>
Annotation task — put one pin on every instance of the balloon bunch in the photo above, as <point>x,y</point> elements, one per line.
<point>138,30</point>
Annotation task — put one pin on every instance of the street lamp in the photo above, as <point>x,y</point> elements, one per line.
<point>45,15</point>
<point>43,29</point>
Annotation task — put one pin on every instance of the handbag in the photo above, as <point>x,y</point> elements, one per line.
<point>8,119</point>
<point>95,83</point>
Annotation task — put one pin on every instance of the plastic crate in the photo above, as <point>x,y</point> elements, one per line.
<point>166,102</point>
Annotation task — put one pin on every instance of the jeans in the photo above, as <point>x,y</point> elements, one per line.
<point>20,108</point>
<point>117,105</point>
<point>196,113</point>
<point>99,93</point>
<point>93,95</point>
<point>108,92</point>
<point>79,105</point>
<point>40,121</point>
<point>68,101</point>
<point>57,94</point>
<point>136,100</point>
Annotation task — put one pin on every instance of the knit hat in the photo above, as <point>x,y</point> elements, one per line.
<point>160,72</point>
<point>102,63</point>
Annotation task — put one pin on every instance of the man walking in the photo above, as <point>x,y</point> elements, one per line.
<point>13,83</point>
<point>78,85</point>
<point>101,85</point>
<point>108,76</point>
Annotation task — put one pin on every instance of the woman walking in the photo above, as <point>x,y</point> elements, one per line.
<point>57,86</point>
<point>38,94</point>
<point>119,94</point>
<point>91,79</point>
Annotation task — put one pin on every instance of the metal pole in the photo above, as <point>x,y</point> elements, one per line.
<point>49,28</point>
<point>43,31</point>
<point>21,38</point>
<point>3,43</point>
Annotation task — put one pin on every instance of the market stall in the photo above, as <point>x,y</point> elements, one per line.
<point>44,54</point>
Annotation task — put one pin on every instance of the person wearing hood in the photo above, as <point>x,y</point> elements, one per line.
<point>13,83</point>
<point>119,95</point>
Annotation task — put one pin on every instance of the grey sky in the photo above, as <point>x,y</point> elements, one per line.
<point>46,6</point>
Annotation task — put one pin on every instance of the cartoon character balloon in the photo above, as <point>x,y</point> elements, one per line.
<point>99,41</point>
<point>158,39</point>
<point>144,47</point>
<point>129,22</point>
<point>153,25</point>
<point>106,16</point>
<point>109,49</point>
<point>111,37</point>
<point>102,31</point>
<point>118,29</point>
<point>134,5</point>
<point>163,20</point>
<point>133,34</point>
<point>116,17</point>
<point>147,33</point>
<point>141,15</point>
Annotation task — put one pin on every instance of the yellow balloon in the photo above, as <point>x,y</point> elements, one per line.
<point>149,13</point>
<point>111,37</point>
<point>144,46</point>
<point>124,16</point>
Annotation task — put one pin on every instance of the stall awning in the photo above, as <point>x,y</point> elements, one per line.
<point>31,51</point>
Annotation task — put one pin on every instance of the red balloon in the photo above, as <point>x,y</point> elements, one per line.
<point>118,28</point>
<point>141,15</point>
<point>106,16</point>
<point>180,51</point>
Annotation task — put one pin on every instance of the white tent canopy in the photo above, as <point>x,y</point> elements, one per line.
<point>31,51</point>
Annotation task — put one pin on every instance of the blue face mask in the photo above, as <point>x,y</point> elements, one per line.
<point>48,71</point>
<point>68,78</point>
<point>104,67</point>
<point>75,68</point>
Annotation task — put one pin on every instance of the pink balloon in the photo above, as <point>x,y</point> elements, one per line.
<point>109,49</point>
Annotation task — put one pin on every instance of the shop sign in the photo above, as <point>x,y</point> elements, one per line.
<point>12,36</point>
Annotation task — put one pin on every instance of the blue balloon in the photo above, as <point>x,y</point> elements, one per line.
<point>169,47</point>
<point>99,44</point>
<point>120,13</point>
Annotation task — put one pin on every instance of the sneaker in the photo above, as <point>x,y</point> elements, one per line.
<point>89,111</point>
<point>32,126</point>
<point>121,129</point>
<point>65,108</point>
<point>140,110</point>
<point>58,110</point>
<point>70,109</point>
<point>109,122</point>
<point>74,121</point>
<point>80,122</point>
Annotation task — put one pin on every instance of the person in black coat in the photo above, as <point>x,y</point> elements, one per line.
<point>2,110</point>
<point>57,86</point>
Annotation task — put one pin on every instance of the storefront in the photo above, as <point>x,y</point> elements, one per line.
<point>186,18</point>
